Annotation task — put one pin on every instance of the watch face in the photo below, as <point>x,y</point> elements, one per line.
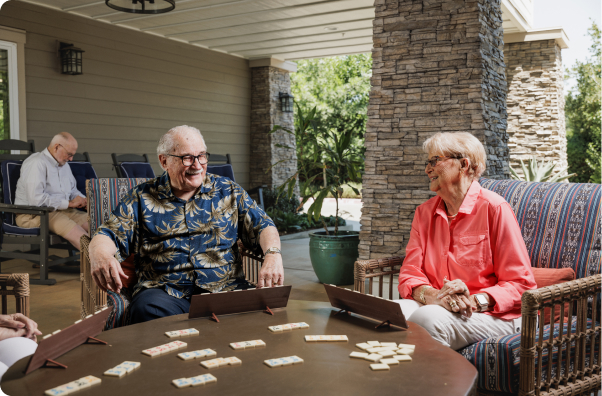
<point>481,299</point>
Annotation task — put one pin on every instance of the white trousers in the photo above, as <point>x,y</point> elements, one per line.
<point>451,330</point>
<point>14,349</point>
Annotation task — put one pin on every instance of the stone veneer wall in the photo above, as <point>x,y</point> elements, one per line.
<point>266,84</point>
<point>437,66</point>
<point>536,125</point>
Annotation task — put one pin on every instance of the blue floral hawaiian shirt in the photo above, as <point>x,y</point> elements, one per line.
<point>180,244</point>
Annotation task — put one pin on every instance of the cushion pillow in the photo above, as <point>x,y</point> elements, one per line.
<point>129,269</point>
<point>552,276</point>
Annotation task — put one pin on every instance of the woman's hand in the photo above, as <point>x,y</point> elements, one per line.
<point>457,303</point>
<point>453,287</point>
<point>18,325</point>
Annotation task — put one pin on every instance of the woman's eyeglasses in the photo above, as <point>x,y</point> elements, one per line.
<point>433,161</point>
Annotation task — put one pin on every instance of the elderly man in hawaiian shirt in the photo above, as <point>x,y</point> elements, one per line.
<point>182,228</point>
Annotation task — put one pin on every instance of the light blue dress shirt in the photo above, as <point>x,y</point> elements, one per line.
<point>44,183</point>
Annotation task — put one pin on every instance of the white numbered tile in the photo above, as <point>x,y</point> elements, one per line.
<point>408,346</point>
<point>77,321</point>
<point>209,352</point>
<point>193,332</point>
<point>402,358</point>
<point>89,316</point>
<point>82,383</point>
<point>275,329</point>
<point>359,355</point>
<point>46,336</point>
<point>363,346</point>
<point>286,327</point>
<point>210,364</point>
<point>389,361</point>
<point>273,362</point>
<point>130,366</point>
<point>172,334</point>
<point>286,361</point>
<point>249,344</point>
<point>188,355</point>
<point>234,361</point>
<point>180,344</point>
<point>258,343</point>
<point>389,345</point>
<point>237,345</point>
<point>58,391</point>
<point>303,325</point>
<point>387,353</point>
<point>405,351</point>
<point>152,352</point>
<point>196,381</point>
<point>373,343</point>
<point>373,357</point>
<point>116,372</point>
<point>294,326</point>
<point>208,378</point>
<point>92,380</point>
<point>56,332</point>
<point>374,350</point>
<point>311,338</point>
<point>296,359</point>
<point>221,361</point>
<point>182,382</point>
<point>379,366</point>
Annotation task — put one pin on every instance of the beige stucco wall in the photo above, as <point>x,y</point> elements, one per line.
<point>134,88</point>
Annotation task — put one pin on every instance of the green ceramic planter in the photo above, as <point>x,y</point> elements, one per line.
<point>333,256</point>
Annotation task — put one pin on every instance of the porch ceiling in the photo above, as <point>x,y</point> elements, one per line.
<point>254,29</point>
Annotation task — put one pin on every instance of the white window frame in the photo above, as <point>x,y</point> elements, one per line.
<point>13,87</point>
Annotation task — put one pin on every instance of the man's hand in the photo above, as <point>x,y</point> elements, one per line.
<point>106,270</point>
<point>272,272</point>
<point>18,325</point>
<point>78,202</point>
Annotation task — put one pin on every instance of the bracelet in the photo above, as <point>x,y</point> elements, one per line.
<point>422,293</point>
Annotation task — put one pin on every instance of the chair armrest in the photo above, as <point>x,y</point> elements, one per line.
<point>20,288</point>
<point>93,298</point>
<point>259,192</point>
<point>584,377</point>
<point>25,209</point>
<point>376,268</point>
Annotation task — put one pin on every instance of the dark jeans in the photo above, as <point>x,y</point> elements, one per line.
<point>149,304</point>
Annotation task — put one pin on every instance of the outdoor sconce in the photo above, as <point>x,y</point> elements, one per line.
<point>71,59</point>
<point>287,102</point>
<point>142,6</point>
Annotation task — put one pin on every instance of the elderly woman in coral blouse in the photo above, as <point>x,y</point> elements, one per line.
<point>466,263</point>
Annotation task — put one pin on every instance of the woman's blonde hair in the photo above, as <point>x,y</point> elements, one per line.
<point>459,144</point>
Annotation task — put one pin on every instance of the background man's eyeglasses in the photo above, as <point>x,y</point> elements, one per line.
<point>68,153</point>
<point>188,160</point>
<point>433,161</point>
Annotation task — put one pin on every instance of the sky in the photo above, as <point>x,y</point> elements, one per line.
<point>575,17</point>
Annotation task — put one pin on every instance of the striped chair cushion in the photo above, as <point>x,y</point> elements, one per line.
<point>104,195</point>
<point>560,222</point>
<point>498,361</point>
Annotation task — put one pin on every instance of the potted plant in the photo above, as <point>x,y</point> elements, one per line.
<point>327,153</point>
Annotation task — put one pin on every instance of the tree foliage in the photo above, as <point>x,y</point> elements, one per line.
<point>338,88</point>
<point>582,111</point>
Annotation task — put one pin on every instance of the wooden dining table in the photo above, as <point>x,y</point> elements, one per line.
<point>327,369</point>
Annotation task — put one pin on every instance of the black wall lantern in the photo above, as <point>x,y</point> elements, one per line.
<point>287,102</point>
<point>142,6</point>
<point>71,59</point>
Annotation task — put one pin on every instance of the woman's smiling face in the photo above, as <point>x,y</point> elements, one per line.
<point>444,174</point>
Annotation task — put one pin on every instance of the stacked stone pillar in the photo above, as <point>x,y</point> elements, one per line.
<point>536,125</point>
<point>438,66</point>
<point>267,83</point>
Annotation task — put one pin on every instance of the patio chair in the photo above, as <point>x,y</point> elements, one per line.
<point>40,239</point>
<point>82,170</point>
<point>561,226</point>
<point>226,170</point>
<point>15,285</point>
<point>132,166</point>
<point>103,196</point>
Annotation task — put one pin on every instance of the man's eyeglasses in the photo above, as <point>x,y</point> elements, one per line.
<point>433,161</point>
<point>188,160</point>
<point>69,155</point>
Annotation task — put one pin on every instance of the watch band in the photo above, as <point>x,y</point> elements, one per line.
<point>482,306</point>
<point>272,250</point>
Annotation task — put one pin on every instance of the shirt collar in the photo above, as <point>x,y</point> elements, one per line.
<point>47,154</point>
<point>468,204</point>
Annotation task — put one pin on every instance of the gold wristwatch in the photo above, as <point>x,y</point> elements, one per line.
<point>272,250</point>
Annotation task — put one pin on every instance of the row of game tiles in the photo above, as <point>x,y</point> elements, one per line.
<point>73,386</point>
<point>274,329</point>
<point>174,345</point>
<point>76,322</point>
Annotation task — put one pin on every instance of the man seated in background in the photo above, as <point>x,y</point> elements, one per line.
<point>46,181</point>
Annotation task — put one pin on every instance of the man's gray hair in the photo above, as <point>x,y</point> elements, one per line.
<point>61,138</point>
<point>167,143</point>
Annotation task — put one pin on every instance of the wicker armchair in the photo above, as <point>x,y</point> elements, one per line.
<point>19,287</point>
<point>562,227</point>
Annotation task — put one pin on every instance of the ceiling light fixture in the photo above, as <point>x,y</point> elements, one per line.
<point>142,6</point>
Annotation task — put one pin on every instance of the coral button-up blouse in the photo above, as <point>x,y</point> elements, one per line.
<point>483,247</point>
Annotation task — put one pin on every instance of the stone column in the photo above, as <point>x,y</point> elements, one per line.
<point>269,78</point>
<point>536,124</point>
<point>438,66</point>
